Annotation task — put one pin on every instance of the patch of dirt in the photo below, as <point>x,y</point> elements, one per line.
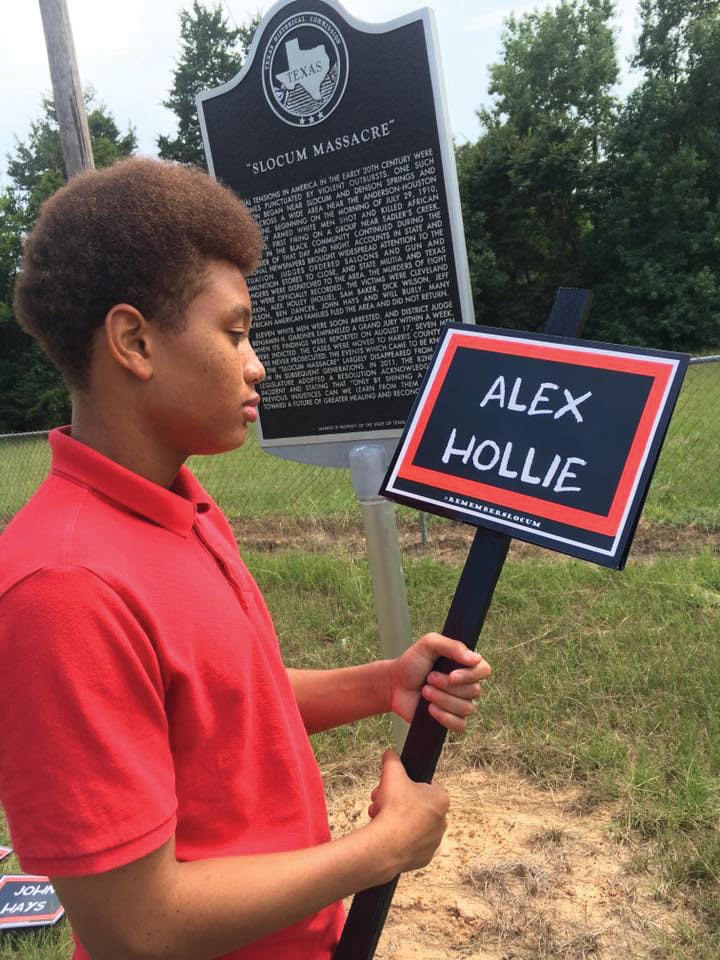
<point>447,541</point>
<point>520,875</point>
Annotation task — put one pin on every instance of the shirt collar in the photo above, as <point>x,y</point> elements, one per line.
<point>174,509</point>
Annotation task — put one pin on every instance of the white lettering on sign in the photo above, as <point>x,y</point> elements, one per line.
<point>488,455</point>
<point>482,508</point>
<point>478,453</point>
<point>355,138</point>
<point>527,476</point>
<point>451,451</point>
<point>497,392</point>
<point>571,404</point>
<point>24,906</point>
<point>33,890</point>
<point>538,399</point>
<point>566,474</point>
<point>557,460</point>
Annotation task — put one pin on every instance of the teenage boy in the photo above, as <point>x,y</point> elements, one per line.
<point>155,761</point>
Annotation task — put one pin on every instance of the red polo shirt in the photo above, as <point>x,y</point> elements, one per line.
<point>144,693</point>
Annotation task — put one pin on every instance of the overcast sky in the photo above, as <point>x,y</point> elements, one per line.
<point>126,49</point>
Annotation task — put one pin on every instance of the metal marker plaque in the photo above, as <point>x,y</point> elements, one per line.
<point>550,440</point>
<point>335,134</point>
<point>28,901</point>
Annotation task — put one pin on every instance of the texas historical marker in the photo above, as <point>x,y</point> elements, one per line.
<point>335,134</point>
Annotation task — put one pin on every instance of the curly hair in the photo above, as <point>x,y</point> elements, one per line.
<point>139,232</point>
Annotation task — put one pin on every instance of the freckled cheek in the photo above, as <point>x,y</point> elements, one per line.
<point>216,364</point>
<point>210,372</point>
<point>225,377</point>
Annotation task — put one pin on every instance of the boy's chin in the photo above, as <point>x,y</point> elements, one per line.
<point>223,444</point>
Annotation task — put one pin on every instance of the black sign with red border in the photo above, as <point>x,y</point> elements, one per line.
<point>28,900</point>
<point>548,439</point>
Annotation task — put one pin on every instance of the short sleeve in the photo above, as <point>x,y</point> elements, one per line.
<point>86,770</point>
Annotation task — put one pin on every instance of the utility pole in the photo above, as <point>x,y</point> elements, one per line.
<point>69,102</point>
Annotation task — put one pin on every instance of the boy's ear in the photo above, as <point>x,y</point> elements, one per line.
<point>128,336</point>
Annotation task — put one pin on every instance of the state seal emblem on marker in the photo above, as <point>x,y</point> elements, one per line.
<point>305,69</point>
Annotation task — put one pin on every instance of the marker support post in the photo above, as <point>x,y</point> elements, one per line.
<point>368,464</point>
<point>464,622</point>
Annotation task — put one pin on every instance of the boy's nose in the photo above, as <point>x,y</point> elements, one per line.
<point>254,370</point>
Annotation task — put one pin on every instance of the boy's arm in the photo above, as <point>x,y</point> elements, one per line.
<point>329,698</point>
<point>158,908</point>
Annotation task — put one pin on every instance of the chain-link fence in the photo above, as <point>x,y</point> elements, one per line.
<point>251,484</point>
<point>686,485</point>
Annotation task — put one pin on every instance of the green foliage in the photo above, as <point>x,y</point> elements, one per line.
<point>667,36</point>
<point>32,394</point>
<point>37,168</point>
<point>659,241</point>
<point>211,54</point>
<point>529,183</point>
<point>559,64</point>
<point>566,187</point>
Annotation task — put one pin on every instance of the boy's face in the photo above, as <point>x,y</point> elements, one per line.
<point>202,392</point>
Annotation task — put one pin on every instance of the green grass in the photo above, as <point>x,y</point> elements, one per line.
<point>686,485</point>
<point>49,943</point>
<point>23,465</point>
<point>247,482</point>
<point>685,488</point>
<point>607,680</point>
<point>250,483</point>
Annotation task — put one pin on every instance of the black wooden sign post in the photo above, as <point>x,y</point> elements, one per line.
<point>464,622</point>
<point>426,737</point>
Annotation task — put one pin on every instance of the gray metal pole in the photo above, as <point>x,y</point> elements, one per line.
<point>67,92</point>
<point>368,465</point>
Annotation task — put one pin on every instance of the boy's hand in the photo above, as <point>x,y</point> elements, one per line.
<point>411,814</point>
<point>451,696</point>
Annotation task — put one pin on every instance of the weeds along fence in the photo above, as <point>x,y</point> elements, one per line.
<point>250,484</point>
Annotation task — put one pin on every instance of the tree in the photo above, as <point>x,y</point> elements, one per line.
<point>32,394</point>
<point>211,54</point>
<point>660,279</point>
<point>559,64</point>
<point>666,48</point>
<point>529,183</point>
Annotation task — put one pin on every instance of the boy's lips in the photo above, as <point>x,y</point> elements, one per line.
<point>250,409</point>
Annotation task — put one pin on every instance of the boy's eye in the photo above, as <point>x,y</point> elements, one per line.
<point>237,335</point>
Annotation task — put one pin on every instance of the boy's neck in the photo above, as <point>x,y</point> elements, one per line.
<point>125,441</point>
